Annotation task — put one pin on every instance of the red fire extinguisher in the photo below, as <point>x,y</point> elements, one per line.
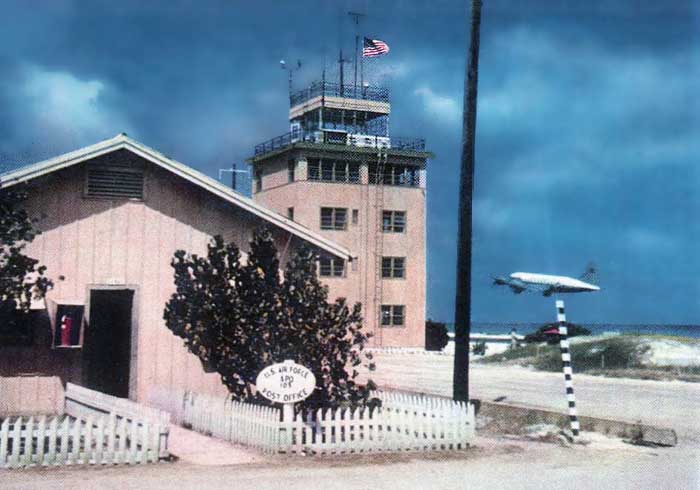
<point>66,327</point>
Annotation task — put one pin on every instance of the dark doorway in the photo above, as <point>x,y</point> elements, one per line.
<point>107,348</point>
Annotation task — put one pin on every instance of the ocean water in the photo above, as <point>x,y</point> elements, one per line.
<point>692,331</point>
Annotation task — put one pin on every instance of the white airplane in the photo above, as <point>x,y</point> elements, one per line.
<point>549,284</point>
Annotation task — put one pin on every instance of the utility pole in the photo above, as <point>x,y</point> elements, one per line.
<point>460,376</point>
<point>356,17</point>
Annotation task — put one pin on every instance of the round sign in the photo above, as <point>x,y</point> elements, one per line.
<point>286,382</point>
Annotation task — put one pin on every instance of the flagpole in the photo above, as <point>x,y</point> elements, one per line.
<point>362,68</point>
<point>356,17</point>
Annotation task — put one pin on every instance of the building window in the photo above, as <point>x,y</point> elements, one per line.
<point>334,171</point>
<point>331,267</point>
<point>355,216</point>
<point>290,213</point>
<point>291,164</point>
<point>258,180</point>
<point>114,182</point>
<point>334,218</point>
<point>394,221</point>
<point>403,175</point>
<point>393,267</point>
<point>393,315</point>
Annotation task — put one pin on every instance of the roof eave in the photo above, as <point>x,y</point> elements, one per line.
<point>121,141</point>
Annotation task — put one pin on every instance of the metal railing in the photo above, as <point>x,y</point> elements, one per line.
<point>286,139</point>
<point>334,89</point>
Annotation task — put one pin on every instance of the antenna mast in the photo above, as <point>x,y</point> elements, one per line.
<point>341,62</point>
<point>291,70</point>
<point>356,17</point>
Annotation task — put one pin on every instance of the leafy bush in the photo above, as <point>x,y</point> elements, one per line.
<point>540,336</point>
<point>479,348</point>
<point>436,337</point>
<point>240,318</point>
<point>21,277</point>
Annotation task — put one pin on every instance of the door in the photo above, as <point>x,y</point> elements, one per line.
<point>107,347</point>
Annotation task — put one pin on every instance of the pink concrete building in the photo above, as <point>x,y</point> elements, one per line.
<point>340,174</point>
<point>113,215</point>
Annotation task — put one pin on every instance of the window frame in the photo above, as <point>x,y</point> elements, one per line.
<point>334,266</point>
<point>334,171</point>
<point>392,221</point>
<point>334,221</point>
<point>393,268</point>
<point>291,170</point>
<point>392,313</point>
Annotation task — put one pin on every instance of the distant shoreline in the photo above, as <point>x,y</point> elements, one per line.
<point>690,331</point>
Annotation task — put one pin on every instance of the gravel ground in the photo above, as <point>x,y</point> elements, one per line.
<point>672,404</point>
<point>496,463</point>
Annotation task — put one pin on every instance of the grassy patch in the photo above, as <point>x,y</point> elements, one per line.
<point>613,353</point>
<point>620,356</point>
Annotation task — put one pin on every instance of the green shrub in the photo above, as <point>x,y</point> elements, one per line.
<point>540,336</point>
<point>479,348</point>
<point>436,337</point>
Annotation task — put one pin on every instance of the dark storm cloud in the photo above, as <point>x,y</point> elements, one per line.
<point>587,125</point>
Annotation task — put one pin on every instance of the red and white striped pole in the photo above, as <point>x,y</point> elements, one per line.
<point>566,367</point>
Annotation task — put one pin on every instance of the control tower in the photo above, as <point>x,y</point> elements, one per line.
<point>339,172</point>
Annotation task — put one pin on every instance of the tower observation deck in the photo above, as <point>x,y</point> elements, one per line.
<point>340,172</point>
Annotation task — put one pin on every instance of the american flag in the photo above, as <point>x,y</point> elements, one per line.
<point>374,47</point>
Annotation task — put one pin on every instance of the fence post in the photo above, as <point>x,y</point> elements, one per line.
<point>16,434</point>
<point>4,436</point>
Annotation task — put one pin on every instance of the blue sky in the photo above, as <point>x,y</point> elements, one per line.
<point>588,134</point>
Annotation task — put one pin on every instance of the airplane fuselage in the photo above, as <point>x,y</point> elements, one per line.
<point>554,284</point>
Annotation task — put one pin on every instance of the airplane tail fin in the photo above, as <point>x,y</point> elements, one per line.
<point>590,275</point>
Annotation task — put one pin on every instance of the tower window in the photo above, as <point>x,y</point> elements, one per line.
<point>402,175</point>
<point>290,213</point>
<point>334,218</point>
<point>394,221</point>
<point>291,164</point>
<point>334,171</point>
<point>355,216</point>
<point>393,267</point>
<point>331,267</point>
<point>393,315</point>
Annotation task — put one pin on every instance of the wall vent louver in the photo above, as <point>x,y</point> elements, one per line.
<point>114,182</point>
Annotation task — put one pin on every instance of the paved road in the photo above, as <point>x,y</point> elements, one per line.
<point>512,466</point>
<point>671,404</point>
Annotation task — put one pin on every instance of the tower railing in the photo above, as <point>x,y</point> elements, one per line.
<point>298,136</point>
<point>334,89</point>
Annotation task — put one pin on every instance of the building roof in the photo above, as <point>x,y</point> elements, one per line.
<point>122,141</point>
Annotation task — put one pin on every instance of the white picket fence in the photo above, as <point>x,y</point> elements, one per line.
<point>59,440</point>
<point>403,423</point>
<point>241,423</point>
<point>82,403</point>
